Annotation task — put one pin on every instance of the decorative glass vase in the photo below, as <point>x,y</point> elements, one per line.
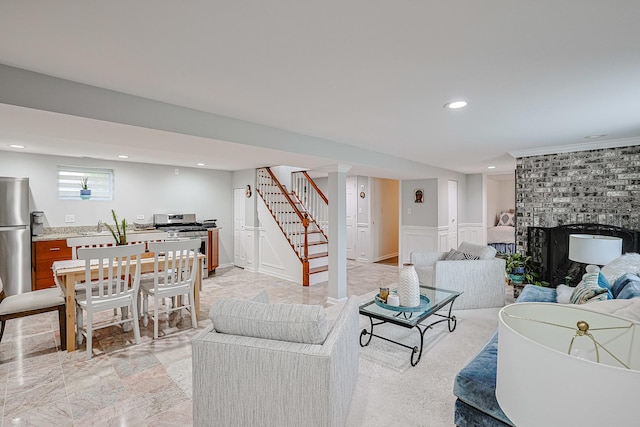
<point>408,287</point>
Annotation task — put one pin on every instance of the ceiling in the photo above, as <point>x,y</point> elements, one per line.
<point>370,74</point>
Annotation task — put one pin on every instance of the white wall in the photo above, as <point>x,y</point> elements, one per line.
<point>421,214</point>
<point>139,189</point>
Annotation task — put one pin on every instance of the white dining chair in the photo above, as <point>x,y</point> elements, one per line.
<point>116,286</point>
<point>106,240</point>
<point>173,277</point>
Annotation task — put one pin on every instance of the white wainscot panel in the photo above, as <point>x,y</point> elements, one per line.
<point>472,233</point>
<point>415,238</point>
<point>363,243</point>
<point>444,239</point>
<point>275,256</point>
<point>249,234</point>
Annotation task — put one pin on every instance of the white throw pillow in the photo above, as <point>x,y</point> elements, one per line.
<point>506,218</point>
<point>563,294</point>
<point>627,263</point>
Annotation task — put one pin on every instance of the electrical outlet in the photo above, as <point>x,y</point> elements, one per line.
<point>69,218</point>
<point>409,211</point>
<point>139,216</point>
<point>176,171</point>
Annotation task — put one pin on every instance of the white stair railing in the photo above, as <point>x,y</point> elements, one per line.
<point>293,222</point>
<point>313,201</point>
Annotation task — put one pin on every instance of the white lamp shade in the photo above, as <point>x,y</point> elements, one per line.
<point>539,384</point>
<point>593,249</point>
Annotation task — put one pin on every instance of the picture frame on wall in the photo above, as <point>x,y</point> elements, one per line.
<point>419,195</point>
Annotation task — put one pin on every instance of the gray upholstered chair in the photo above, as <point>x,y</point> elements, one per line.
<point>34,302</point>
<point>481,280</point>
<point>275,365</point>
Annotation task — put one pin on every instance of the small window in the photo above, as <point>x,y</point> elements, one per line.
<point>99,181</point>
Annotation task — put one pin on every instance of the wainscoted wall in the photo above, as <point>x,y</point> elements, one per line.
<point>435,239</point>
<point>275,256</point>
<point>418,238</point>
<point>472,233</point>
<point>595,186</point>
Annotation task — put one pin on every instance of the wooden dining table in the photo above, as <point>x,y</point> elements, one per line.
<point>69,272</point>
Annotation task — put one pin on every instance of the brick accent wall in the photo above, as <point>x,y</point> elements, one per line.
<point>595,186</point>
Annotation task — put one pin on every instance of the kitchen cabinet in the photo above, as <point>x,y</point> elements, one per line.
<point>43,254</point>
<point>212,250</point>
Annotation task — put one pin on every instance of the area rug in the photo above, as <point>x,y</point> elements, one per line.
<point>392,356</point>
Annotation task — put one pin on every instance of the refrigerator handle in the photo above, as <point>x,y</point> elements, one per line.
<point>13,227</point>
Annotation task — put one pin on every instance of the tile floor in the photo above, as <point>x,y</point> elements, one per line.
<point>126,384</point>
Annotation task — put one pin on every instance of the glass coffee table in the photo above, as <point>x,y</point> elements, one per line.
<point>431,300</point>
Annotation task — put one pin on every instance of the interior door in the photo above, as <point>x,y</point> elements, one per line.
<point>352,216</point>
<point>239,250</point>
<point>453,215</point>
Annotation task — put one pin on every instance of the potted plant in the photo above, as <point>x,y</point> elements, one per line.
<point>516,266</point>
<point>520,271</point>
<point>85,192</point>
<point>120,231</point>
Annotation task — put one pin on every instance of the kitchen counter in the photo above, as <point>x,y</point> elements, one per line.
<point>63,233</point>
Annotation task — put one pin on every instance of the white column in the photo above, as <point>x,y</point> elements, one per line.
<point>337,189</point>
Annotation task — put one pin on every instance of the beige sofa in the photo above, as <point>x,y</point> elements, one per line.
<point>482,280</point>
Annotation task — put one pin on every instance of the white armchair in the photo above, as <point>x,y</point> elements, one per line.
<point>240,379</point>
<point>482,280</point>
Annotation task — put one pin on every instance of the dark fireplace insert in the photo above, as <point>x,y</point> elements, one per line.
<point>548,248</point>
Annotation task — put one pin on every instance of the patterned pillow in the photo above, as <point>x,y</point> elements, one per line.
<point>506,218</point>
<point>454,255</point>
<point>589,290</point>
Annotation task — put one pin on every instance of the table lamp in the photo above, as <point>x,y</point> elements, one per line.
<point>562,365</point>
<point>594,249</point>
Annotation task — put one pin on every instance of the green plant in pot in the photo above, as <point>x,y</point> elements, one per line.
<point>85,192</point>
<point>520,270</point>
<point>119,233</point>
<point>516,266</point>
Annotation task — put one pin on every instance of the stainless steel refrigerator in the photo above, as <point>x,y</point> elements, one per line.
<point>15,235</point>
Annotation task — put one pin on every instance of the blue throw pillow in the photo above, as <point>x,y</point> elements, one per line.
<point>622,281</point>
<point>604,283</point>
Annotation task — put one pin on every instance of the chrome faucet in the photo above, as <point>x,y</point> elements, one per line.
<point>99,227</point>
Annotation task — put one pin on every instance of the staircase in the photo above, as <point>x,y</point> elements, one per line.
<point>302,215</point>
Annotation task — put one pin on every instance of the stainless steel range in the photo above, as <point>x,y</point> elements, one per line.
<point>182,227</point>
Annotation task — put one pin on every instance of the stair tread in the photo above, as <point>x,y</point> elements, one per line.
<point>319,255</point>
<point>319,269</point>
<point>316,243</point>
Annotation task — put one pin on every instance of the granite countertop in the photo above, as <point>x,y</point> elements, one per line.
<point>52,236</point>
<point>63,233</point>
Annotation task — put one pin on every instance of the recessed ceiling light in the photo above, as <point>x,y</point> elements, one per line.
<point>16,146</point>
<point>122,156</point>
<point>595,136</point>
<point>491,167</point>
<point>199,164</point>
<point>454,105</point>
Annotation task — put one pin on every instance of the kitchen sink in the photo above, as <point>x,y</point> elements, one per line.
<point>94,233</point>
